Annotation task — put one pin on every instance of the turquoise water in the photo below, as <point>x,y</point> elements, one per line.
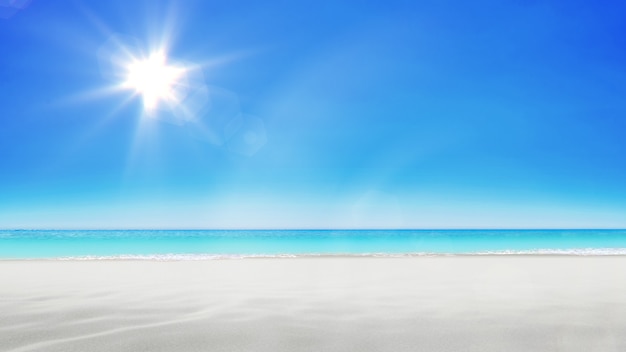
<point>32,244</point>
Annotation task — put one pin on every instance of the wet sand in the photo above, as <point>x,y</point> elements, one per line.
<point>464,303</point>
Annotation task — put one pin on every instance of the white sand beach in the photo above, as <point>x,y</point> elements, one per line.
<point>490,303</point>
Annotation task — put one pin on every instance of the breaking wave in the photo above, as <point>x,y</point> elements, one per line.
<point>200,257</point>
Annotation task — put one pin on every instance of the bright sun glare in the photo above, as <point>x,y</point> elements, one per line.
<point>154,79</point>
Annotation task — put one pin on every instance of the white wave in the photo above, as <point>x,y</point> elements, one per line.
<point>199,257</point>
<point>547,251</point>
<point>174,257</point>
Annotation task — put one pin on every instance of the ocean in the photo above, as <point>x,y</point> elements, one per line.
<point>215,244</point>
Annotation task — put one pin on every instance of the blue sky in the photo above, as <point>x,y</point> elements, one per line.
<point>346,114</point>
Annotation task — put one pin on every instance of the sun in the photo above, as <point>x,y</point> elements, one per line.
<point>154,79</point>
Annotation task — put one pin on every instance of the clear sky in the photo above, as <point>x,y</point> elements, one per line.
<point>325,114</point>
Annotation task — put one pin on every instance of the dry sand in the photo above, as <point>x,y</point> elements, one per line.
<point>498,303</point>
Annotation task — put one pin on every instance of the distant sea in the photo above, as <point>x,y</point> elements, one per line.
<point>215,244</point>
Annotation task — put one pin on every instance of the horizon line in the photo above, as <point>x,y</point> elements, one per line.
<point>326,229</point>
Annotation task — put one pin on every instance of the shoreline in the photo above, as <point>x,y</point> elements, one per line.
<point>600,253</point>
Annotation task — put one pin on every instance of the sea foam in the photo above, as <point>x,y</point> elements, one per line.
<point>200,257</point>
